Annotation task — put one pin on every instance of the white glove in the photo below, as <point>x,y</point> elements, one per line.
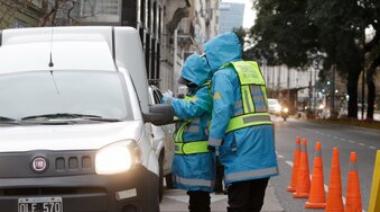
<point>167,97</point>
<point>168,93</point>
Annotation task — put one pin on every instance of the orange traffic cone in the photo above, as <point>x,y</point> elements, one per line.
<point>353,195</point>
<point>296,161</point>
<point>334,195</point>
<point>317,191</point>
<point>303,178</point>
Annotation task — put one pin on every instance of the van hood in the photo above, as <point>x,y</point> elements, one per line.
<point>67,137</point>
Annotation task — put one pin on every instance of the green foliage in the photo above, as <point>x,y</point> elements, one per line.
<point>298,32</point>
<point>241,33</point>
<point>283,34</point>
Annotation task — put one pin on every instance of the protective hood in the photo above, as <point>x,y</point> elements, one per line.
<point>222,49</point>
<point>196,69</point>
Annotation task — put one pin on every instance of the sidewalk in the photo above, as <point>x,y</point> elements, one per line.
<point>176,201</point>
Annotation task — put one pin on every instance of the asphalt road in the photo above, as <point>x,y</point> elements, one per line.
<point>347,139</point>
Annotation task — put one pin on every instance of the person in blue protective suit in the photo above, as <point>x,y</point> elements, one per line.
<point>241,131</point>
<point>193,164</point>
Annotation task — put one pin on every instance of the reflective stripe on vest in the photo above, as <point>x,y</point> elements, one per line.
<point>253,96</point>
<point>248,120</point>
<point>258,173</point>
<point>193,182</point>
<point>188,148</point>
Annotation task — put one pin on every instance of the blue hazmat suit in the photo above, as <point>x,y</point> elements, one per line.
<point>247,153</point>
<point>194,172</point>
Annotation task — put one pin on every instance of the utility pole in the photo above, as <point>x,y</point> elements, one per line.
<point>363,93</point>
<point>174,81</point>
<point>288,82</point>
<point>315,88</point>
<point>278,80</point>
<point>332,109</point>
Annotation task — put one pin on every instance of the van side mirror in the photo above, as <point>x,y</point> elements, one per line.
<point>160,114</point>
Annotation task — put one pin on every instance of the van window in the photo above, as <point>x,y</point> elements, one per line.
<point>93,93</point>
<point>157,97</point>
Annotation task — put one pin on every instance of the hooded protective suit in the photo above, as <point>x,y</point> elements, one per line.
<point>247,153</point>
<point>193,165</point>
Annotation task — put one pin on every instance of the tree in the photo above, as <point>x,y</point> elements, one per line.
<point>372,49</point>
<point>296,32</point>
<point>283,34</point>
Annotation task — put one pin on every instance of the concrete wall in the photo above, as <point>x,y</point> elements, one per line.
<point>200,25</point>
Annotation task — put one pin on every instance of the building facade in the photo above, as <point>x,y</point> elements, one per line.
<point>198,26</point>
<point>22,13</point>
<point>170,30</point>
<point>231,16</point>
<point>299,88</point>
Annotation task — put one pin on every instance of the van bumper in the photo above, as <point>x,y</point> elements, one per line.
<point>133,191</point>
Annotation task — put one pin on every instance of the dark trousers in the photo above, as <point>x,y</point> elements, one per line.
<point>199,201</point>
<point>219,177</point>
<point>247,196</point>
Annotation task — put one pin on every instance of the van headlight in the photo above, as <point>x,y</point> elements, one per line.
<point>116,158</point>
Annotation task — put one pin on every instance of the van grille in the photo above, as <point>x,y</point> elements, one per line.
<point>60,163</point>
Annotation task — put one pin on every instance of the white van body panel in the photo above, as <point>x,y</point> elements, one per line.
<point>67,137</point>
<point>94,56</point>
<point>79,48</point>
<point>126,39</point>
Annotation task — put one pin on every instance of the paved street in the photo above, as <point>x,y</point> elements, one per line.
<point>347,139</point>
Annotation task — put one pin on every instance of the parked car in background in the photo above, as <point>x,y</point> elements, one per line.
<point>274,106</point>
<point>163,144</point>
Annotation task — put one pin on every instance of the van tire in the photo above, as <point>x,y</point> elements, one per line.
<point>161,177</point>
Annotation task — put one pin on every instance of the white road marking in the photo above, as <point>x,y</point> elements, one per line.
<point>280,156</point>
<point>351,141</point>
<point>361,144</point>
<point>372,147</point>
<point>290,163</point>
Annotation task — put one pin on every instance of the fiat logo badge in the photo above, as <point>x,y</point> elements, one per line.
<point>39,164</point>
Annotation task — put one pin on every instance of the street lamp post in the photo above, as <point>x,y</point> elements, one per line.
<point>363,93</point>
<point>333,93</point>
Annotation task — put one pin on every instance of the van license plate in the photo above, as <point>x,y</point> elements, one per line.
<point>40,204</point>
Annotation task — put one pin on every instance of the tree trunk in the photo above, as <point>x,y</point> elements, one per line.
<point>371,97</point>
<point>352,91</point>
<point>371,88</point>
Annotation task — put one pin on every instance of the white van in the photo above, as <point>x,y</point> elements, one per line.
<point>75,122</point>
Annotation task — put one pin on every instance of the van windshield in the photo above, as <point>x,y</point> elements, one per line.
<point>63,95</point>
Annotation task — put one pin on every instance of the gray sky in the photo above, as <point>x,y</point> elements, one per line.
<point>249,14</point>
